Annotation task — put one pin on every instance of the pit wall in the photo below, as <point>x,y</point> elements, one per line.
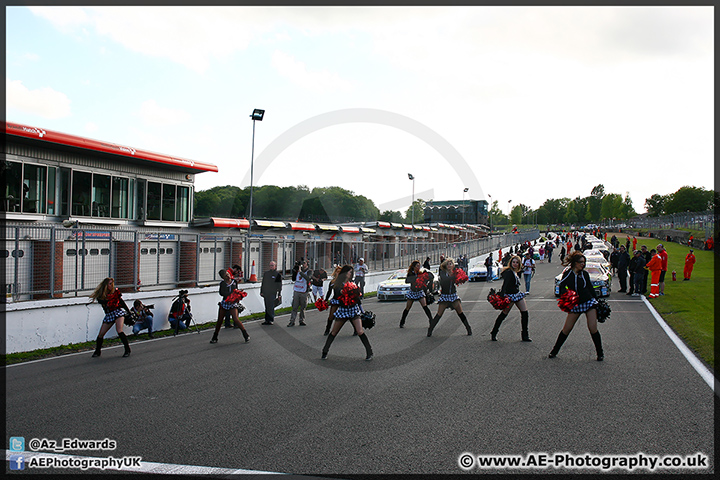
<point>35,325</point>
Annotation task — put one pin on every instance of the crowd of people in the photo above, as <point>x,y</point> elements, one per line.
<point>347,283</point>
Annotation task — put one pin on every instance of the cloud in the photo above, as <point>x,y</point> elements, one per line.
<point>298,73</point>
<point>154,115</point>
<point>44,102</point>
<point>91,127</point>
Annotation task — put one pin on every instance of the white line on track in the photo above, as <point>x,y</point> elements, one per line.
<point>699,367</point>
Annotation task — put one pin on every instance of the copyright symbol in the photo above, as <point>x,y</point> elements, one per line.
<point>34,444</point>
<point>466,461</point>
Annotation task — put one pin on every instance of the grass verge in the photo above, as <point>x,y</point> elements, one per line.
<point>688,307</point>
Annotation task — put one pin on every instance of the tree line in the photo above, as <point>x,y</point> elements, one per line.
<point>336,204</point>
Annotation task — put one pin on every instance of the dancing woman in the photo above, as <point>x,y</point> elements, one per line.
<point>349,299</point>
<point>110,298</point>
<point>417,292</point>
<point>333,302</point>
<point>511,288</point>
<point>448,296</point>
<point>578,279</point>
<point>228,305</point>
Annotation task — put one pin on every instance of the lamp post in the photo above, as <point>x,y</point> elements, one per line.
<point>464,206</point>
<point>490,212</point>
<point>509,218</point>
<point>412,205</point>
<point>257,115</point>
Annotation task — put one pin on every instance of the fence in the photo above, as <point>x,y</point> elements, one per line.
<point>704,221</point>
<point>44,262</point>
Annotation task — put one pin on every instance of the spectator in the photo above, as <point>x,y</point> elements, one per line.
<point>623,263</point>
<point>271,291</point>
<point>663,269</point>
<point>528,270</point>
<point>488,266</point>
<point>640,272</point>
<point>318,277</point>
<point>647,256</point>
<point>360,271</point>
<point>301,277</point>
<point>144,318</point>
<point>180,314</point>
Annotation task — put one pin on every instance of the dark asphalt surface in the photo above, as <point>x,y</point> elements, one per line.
<point>273,405</point>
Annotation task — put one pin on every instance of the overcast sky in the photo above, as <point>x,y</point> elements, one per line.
<point>521,103</point>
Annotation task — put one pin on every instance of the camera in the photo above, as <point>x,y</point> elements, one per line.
<point>150,307</point>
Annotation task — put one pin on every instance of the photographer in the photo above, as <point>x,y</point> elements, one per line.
<point>180,315</point>
<point>301,277</point>
<point>144,318</point>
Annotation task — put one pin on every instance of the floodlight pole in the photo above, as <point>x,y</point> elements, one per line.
<point>256,115</point>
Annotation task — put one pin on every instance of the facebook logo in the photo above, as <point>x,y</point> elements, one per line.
<point>17,462</point>
<point>17,444</point>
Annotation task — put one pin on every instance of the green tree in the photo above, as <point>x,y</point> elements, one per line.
<point>390,216</point>
<point>416,211</point>
<point>693,199</point>
<point>655,205</point>
<point>516,215</point>
<point>570,216</point>
<point>627,209</point>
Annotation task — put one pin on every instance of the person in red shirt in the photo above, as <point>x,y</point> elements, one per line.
<point>689,264</point>
<point>663,270</point>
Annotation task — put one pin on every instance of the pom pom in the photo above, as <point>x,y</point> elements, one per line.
<point>236,296</point>
<point>321,304</point>
<point>603,311</point>
<point>113,300</point>
<point>460,276</point>
<point>349,295</point>
<point>568,300</point>
<point>499,302</point>
<point>422,281</point>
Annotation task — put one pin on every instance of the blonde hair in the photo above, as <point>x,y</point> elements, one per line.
<point>509,265</point>
<point>100,292</point>
<point>445,262</point>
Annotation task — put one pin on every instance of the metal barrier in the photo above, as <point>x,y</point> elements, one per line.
<point>43,262</point>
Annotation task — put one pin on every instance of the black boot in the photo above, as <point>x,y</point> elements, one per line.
<point>368,348</point>
<point>326,348</point>
<point>524,325</point>
<point>558,343</point>
<point>598,346</point>
<point>329,324</point>
<point>214,338</point>
<point>427,312</point>
<point>98,346</point>
<point>433,324</point>
<point>464,320</point>
<point>496,327</point>
<point>246,335</point>
<point>404,316</point>
<point>124,340</point>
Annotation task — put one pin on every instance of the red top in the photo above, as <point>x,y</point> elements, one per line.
<point>49,136</point>
<point>664,257</point>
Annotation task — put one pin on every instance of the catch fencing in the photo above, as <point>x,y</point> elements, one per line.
<point>43,262</point>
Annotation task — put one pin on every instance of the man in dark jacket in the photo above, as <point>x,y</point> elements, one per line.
<point>647,256</point>
<point>639,272</point>
<point>622,268</point>
<point>614,260</point>
<point>270,290</point>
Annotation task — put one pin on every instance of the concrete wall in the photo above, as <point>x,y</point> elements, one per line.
<point>34,325</point>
